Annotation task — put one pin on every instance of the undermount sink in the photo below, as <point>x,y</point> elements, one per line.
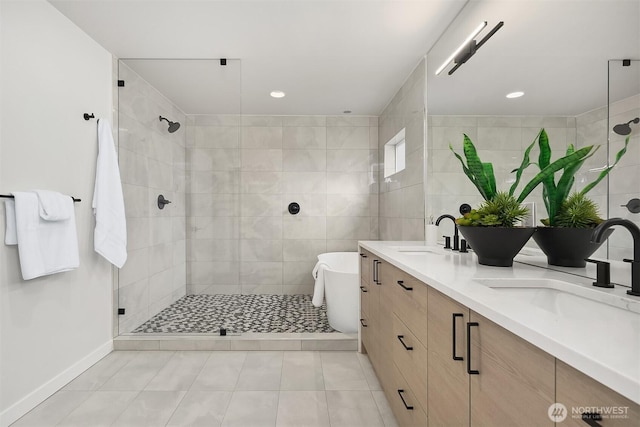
<point>568,299</point>
<point>414,250</point>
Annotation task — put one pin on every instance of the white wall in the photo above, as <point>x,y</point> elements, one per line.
<point>54,327</point>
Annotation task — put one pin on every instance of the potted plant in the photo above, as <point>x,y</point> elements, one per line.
<point>566,237</point>
<point>492,229</point>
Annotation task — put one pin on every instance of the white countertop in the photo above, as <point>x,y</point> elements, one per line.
<point>598,346</point>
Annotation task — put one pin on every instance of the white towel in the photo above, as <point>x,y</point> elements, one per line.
<point>54,206</point>
<point>318,289</point>
<point>10,234</point>
<point>45,247</point>
<point>110,234</point>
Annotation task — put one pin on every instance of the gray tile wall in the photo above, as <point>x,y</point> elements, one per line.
<point>402,194</point>
<point>243,173</point>
<point>152,162</point>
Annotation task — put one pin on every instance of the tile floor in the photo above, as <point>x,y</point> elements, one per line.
<point>226,388</point>
<point>262,313</point>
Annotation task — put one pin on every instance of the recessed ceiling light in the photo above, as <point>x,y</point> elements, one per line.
<point>277,94</point>
<point>515,94</point>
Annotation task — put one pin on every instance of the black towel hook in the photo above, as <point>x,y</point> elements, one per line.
<point>88,116</point>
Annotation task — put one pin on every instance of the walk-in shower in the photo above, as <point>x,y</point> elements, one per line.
<point>226,254</point>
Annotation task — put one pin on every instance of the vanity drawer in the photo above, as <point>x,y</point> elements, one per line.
<point>409,299</point>
<point>364,298</point>
<point>406,407</point>
<point>410,357</point>
<point>366,334</point>
<point>366,265</point>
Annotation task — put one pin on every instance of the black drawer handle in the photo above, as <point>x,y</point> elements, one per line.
<point>363,289</point>
<point>406,347</point>
<point>406,288</point>
<point>469,370</point>
<point>364,325</point>
<point>375,271</point>
<point>363,255</point>
<point>592,419</point>
<point>454,335</point>
<point>409,408</point>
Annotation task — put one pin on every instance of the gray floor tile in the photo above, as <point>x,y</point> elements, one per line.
<point>95,377</point>
<point>302,370</point>
<point>353,409</point>
<point>180,371</point>
<point>100,409</point>
<point>252,409</point>
<point>136,374</point>
<point>384,408</point>
<point>342,371</point>
<point>150,408</point>
<point>302,408</point>
<point>201,409</point>
<point>261,371</point>
<point>54,409</point>
<point>221,371</point>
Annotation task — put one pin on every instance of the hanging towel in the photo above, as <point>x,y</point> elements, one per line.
<point>10,234</point>
<point>44,247</point>
<point>318,289</point>
<point>110,234</point>
<point>54,206</point>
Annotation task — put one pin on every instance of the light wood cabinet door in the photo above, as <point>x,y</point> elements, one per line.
<point>366,259</point>
<point>515,381</point>
<point>582,394</point>
<point>448,382</point>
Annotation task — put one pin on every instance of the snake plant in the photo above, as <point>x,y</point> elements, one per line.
<point>554,194</point>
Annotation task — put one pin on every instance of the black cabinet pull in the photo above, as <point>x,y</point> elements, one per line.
<point>469,370</point>
<point>363,255</point>
<point>406,347</point>
<point>364,325</point>
<point>376,271</point>
<point>592,419</point>
<point>363,289</point>
<point>406,288</point>
<point>453,329</point>
<point>400,391</point>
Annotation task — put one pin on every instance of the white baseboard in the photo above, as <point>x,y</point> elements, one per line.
<point>39,395</point>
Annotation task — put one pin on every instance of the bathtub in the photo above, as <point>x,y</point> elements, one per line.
<point>339,272</point>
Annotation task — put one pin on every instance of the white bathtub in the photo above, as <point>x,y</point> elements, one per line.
<point>341,289</point>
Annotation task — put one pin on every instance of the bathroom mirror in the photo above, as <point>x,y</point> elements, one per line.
<point>564,56</point>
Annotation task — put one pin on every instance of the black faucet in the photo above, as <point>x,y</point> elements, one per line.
<point>456,240</point>
<point>598,237</point>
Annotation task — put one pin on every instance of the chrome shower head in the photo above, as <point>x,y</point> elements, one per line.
<point>624,128</point>
<point>173,126</point>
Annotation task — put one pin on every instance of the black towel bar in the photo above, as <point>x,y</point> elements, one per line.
<point>8,196</point>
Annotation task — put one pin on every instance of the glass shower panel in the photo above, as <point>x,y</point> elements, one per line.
<point>178,136</point>
<point>624,122</point>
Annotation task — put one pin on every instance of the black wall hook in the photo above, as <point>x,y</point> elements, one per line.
<point>88,116</point>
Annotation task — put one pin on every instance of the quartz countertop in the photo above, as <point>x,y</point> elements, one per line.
<point>595,345</point>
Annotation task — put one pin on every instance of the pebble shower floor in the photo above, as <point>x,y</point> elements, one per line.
<point>239,313</point>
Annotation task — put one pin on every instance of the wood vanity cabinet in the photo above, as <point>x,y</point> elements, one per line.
<point>480,374</point>
<point>442,364</point>
<point>576,390</point>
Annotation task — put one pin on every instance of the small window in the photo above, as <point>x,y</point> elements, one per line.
<point>394,155</point>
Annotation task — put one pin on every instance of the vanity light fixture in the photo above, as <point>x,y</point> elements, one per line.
<point>277,94</point>
<point>517,94</point>
<point>468,48</point>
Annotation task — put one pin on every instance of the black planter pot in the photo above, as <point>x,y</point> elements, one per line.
<point>567,247</point>
<point>496,246</point>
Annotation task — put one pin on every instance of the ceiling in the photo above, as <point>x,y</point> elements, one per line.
<point>326,55</point>
<point>557,52</point>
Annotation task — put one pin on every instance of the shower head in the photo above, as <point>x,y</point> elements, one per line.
<point>173,126</point>
<point>624,128</point>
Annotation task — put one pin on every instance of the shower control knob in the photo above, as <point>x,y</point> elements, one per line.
<point>162,201</point>
<point>294,208</point>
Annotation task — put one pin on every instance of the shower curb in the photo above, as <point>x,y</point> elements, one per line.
<point>245,342</point>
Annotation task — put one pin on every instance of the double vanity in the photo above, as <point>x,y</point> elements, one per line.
<point>457,343</point>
